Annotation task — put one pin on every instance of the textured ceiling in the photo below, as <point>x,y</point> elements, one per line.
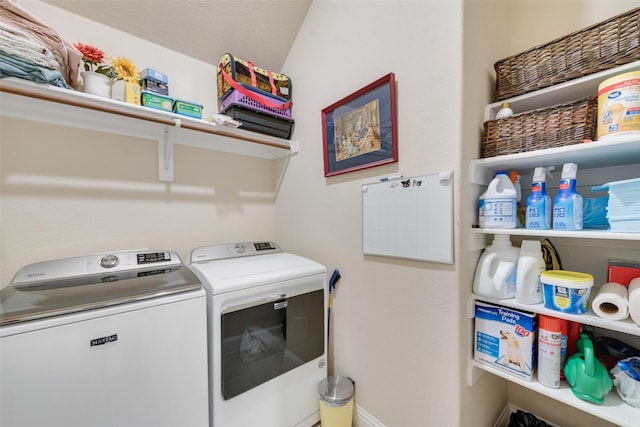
<point>258,30</point>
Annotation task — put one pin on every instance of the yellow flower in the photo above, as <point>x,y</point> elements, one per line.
<point>125,69</point>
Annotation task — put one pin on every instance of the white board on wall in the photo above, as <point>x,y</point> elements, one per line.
<point>409,218</point>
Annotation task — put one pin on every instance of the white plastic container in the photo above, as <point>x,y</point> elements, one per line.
<point>618,106</point>
<point>498,205</point>
<point>530,265</point>
<point>549,351</point>
<point>505,111</point>
<point>495,275</point>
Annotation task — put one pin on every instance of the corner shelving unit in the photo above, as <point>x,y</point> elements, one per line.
<point>589,156</point>
<point>49,104</point>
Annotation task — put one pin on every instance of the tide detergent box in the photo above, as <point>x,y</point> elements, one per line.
<point>505,339</point>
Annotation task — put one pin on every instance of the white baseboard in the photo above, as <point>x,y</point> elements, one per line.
<point>365,419</point>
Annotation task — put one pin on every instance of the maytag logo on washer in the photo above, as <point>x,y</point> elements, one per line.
<point>104,340</point>
<point>280,305</point>
<point>36,274</point>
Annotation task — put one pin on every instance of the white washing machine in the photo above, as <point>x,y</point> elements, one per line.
<point>267,334</point>
<point>104,341</point>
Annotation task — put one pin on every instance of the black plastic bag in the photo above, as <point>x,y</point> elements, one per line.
<point>525,419</point>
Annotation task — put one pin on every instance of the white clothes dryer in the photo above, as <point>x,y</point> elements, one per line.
<point>104,341</point>
<point>267,336</point>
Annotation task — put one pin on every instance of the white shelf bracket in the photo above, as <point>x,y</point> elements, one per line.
<point>473,374</point>
<point>165,154</point>
<point>295,147</point>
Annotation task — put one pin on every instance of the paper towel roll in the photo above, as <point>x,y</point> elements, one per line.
<point>612,302</point>
<point>634,300</point>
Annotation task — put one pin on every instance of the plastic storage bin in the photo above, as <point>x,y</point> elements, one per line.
<point>566,291</point>
<point>336,401</point>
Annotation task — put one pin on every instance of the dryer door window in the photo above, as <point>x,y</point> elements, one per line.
<point>266,340</point>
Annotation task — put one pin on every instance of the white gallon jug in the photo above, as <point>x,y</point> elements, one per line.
<point>498,207</point>
<point>496,271</point>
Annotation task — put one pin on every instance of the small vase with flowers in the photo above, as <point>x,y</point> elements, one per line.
<point>97,77</point>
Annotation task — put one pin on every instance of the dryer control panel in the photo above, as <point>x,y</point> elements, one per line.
<point>95,264</point>
<point>233,250</point>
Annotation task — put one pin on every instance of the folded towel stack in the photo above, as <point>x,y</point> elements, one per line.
<point>32,50</point>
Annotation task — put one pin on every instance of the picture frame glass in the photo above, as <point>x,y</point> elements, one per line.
<point>359,131</point>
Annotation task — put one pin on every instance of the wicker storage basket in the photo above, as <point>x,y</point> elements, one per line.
<point>605,45</point>
<point>557,126</point>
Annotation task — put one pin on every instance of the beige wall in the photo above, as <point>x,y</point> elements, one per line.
<point>396,323</point>
<point>535,22</point>
<point>68,192</point>
<point>399,327</point>
<point>483,45</point>
<point>393,321</point>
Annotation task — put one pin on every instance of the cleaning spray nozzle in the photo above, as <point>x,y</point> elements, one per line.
<point>569,171</point>
<point>540,174</point>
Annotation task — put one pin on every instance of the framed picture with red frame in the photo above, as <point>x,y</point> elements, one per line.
<point>359,131</point>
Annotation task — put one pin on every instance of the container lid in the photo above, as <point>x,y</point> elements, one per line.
<point>603,87</point>
<point>182,101</point>
<point>501,238</point>
<point>549,323</point>
<point>336,390</point>
<point>151,93</point>
<point>530,247</point>
<point>514,175</point>
<point>569,171</point>
<point>569,279</point>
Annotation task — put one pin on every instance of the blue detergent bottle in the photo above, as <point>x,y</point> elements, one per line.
<point>538,214</point>
<point>567,205</point>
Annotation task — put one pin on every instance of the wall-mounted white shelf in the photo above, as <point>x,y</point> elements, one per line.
<point>49,104</point>
<point>616,152</point>
<point>613,409</point>
<point>580,234</point>
<point>626,326</point>
<point>569,91</point>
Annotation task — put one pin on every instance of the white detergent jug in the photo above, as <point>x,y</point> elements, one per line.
<point>496,271</point>
<point>530,265</point>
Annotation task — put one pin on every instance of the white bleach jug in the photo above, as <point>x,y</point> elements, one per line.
<point>498,206</point>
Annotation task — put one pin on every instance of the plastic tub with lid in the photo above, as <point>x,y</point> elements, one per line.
<point>566,291</point>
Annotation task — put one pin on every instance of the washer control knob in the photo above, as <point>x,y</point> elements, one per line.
<point>239,248</point>
<point>109,261</point>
